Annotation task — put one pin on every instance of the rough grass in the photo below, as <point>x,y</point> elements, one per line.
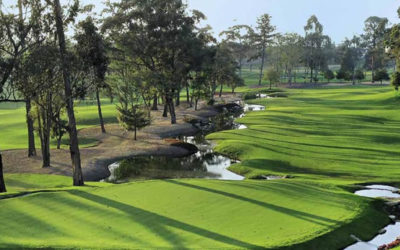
<point>176,214</point>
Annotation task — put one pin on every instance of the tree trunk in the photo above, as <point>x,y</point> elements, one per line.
<point>31,134</point>
<point>135,137</point>
<point>171,107</point>
<point>165,113</point>
<point>373,68</point>
<point>73,133</point>
<point>59,142</point>
<point>262,67</point>
<point>195,105</point>
<point>311,75</point>
<point>103,129</point>
<point>220,90</point>
<point>2,183</point>
<point>155,102</point>
<point>290,76</point>
<point>188,94</point>
<point>233,90</point>
<point>178,98</point>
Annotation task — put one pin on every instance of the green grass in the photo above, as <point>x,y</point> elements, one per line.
<point>346,134</point>
<point>14,134</point>
<point>175,214</point>
<point>328,139</point>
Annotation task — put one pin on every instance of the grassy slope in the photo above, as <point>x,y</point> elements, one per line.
<point>326,138</point>
<point>181,214</point>
<point>345,134</point>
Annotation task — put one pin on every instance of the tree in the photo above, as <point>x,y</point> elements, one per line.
<point>291,49</point>
<point>158,34</point>
<point>237,37</point>
<point>133,118</point>
<point>392,43</point>
<point>43,83</point>
<point>351,53</point>
<point>16,33</point>
<point>2,183</point>
<point>381,75</point>
<point>396,80</point>
<point>359,75</point>
<point>73,133</point>
<point>91,50</point>
<point>261,38</point>
<point>314,44</point>
<point>272,76</point>
<point>329,75</point>
<point>374,29</point>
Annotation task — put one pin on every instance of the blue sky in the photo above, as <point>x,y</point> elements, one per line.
<point>341,18</point>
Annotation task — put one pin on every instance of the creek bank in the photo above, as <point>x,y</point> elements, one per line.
<point>204,163</point>
<point>388,237</point>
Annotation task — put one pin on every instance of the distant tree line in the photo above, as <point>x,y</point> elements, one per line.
<point>312,52</point>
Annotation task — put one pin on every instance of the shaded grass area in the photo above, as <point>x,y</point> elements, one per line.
<point>345,134</point>
<point>165,214</point>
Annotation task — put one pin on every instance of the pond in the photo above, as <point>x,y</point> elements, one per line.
<point>204,164</point>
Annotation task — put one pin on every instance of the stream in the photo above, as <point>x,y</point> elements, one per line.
<point>205,163</point>
<point>388,234</point>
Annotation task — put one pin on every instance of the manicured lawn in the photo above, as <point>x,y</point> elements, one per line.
<point>345,134</point>
<point>327,139</point>
<point>13,131</point>
<point>184,214</point>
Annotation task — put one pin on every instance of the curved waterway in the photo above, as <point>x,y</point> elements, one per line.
<point>206,163</point>
<point>388,234</point>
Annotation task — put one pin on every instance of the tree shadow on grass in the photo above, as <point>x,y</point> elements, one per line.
<point>159,227</point>
<point>323,221</point>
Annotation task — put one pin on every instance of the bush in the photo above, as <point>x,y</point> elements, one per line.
<point>343,75</point>
<point>381,75</point>
<point>396,80</point>
<point>360,75</point>
<point>329,75</point>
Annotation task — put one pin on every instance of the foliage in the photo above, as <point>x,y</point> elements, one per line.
<point>396,80</point>
<point>329,75</point>
<point>381,75</point>
<point>272,76</point>
<point>133,118</point>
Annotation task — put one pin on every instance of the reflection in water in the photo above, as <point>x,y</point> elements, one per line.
<point>253,107</point>
<point>391,232</point>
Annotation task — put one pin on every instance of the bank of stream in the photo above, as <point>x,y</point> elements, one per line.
<point>389,236</point>
<point>205,163</point>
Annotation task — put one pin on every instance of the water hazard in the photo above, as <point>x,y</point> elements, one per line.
<point>204,164</point>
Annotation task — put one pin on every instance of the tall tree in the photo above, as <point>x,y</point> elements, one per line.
<point>156,33</point>
<point>92,52</point>
<point>261,38</point>
<point>291,49</point>
<point>314,43</point>
<point>374,29</point>
<point>237,37</point>
<point>73,133</point>
<point>351,53</point>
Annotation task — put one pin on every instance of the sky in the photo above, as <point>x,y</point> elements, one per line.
<point>340,18</point>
